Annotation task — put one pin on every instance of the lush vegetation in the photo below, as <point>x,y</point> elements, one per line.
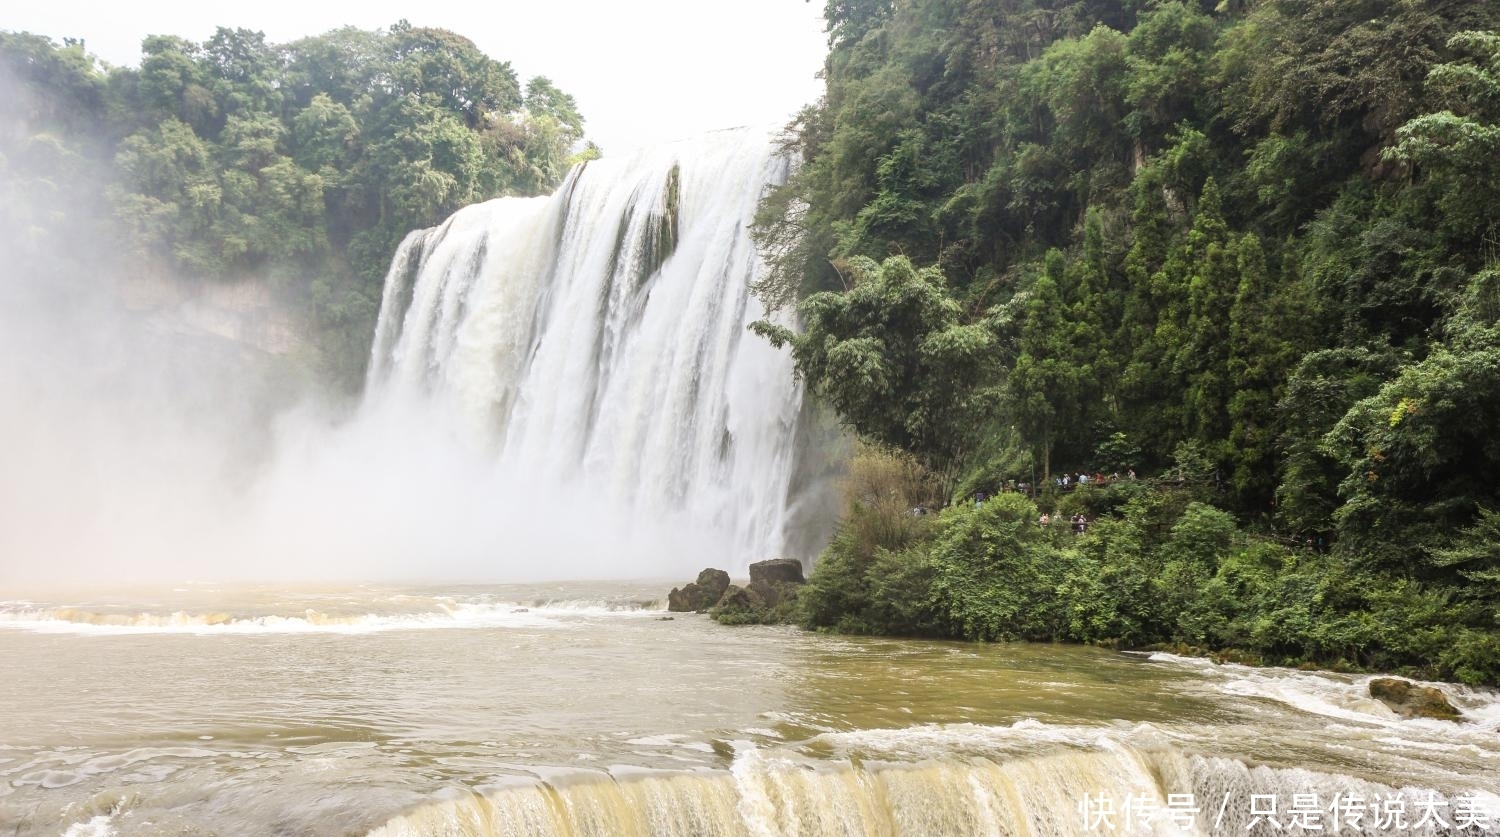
<point>1247,250</point>
<point>1157,566</point>
<point>301,163</point>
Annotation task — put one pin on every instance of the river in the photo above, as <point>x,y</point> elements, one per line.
<point>584,709</point>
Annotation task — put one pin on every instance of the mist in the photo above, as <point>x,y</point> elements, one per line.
<point>163,428</point>
<point>136,452</point>
<point>139,451</point>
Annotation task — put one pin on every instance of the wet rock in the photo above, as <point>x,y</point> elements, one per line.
<point>666,618</point>
<point>1410,700</point>
<point>769,599</point>
<point>771,595</point>
<point>714,582</point>
<point>701,594</point>
<point>777,571</point>
<point>776,581</point>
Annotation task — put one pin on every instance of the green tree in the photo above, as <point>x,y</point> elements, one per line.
<point>174,83</point>
<point>303,163</point>
<point>246,70</point>
<point>325,136</point>
<point>1418,453</point>
<point>1455,149</point>
<point>896,359</point>
<point>1203,357</point>
<point>1043,386</point>
<point>1265,339</point>
<point>544,99</point>
<point>449,73</point>
<point>170,194</point>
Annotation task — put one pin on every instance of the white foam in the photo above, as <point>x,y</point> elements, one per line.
<point>1024,737</point>
<point>100,826</point>
<point>1346,697</point>
<point>445,615</point>
<point>1316,695</point>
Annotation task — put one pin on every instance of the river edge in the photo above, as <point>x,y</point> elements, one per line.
<point>1134,565</point>
<point>736,614</point>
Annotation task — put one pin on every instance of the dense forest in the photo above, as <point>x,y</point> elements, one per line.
<point>302,163</point>
<point>1237,263</point>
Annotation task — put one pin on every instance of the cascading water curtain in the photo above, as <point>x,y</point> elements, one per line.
<point>593,344</point>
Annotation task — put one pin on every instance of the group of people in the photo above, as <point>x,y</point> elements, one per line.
<point>1069,481</point>
<point>1080,522</point>
<point>1065,482</point>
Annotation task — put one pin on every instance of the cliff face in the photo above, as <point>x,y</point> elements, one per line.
<point>245,311</point>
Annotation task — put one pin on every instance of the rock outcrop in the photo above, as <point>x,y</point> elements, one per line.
<point>246,312</point>
<point>740,598</point>
<point>775,581</point>
<point>769,598</point>
<point>701,594</point>
<point>1410,700</point>
<point>776,571</point>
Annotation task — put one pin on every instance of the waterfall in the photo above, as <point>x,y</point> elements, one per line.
<point>1114,789</point>
<point>592,346</point>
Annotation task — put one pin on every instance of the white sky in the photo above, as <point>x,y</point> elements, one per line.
<point>642,71</point>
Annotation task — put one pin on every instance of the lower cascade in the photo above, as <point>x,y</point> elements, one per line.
<point>593,345</point>
<point>1115,789</point>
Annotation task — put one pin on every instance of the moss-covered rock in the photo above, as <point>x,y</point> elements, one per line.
<point>1410,700</point>
<point>769,599</point>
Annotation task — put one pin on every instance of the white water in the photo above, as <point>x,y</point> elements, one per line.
<point>590,374</point>
<point>778,792</point>
<point>201,611</point>
<point>1344,699</point>
<point>310,621</point>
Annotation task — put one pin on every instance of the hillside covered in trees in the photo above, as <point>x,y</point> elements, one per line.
<point>1247,251</point>
<point>302,163</point>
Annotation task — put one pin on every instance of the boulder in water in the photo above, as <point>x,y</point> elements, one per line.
<point>1409,700</point>
<point>701,594</point>
<point>776,581</point>
<point>769,599</point>
<point>777,571</point>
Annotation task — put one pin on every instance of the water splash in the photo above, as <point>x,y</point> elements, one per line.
<point>398,613</point>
